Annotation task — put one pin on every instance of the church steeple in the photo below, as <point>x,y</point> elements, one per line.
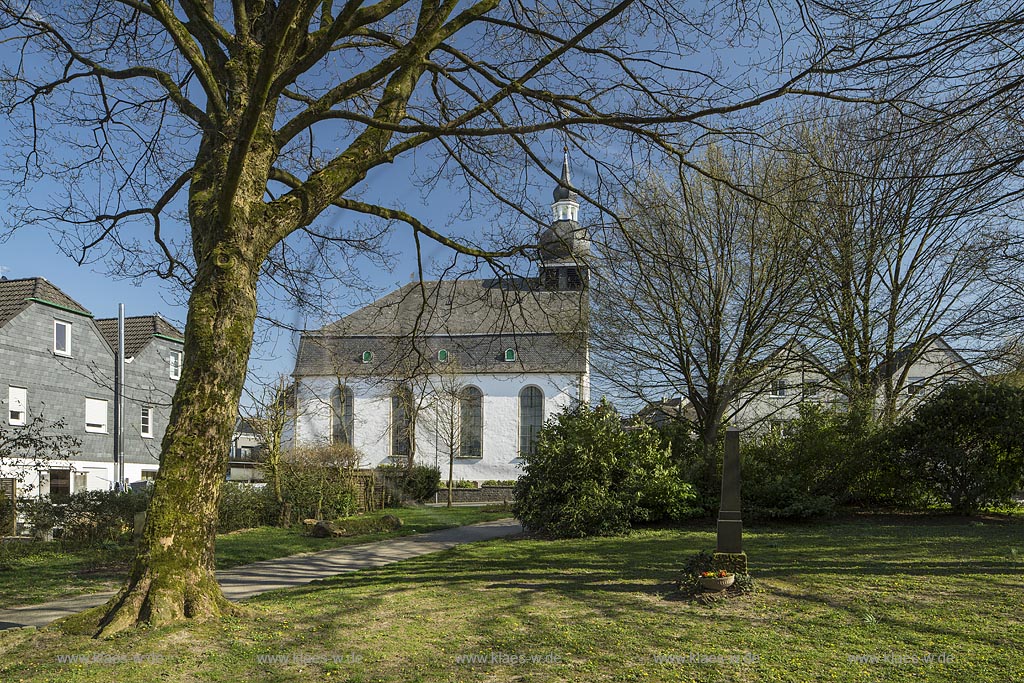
<point>566,206</point>
<point>564,246</point>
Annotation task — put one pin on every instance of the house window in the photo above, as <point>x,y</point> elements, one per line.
<point>17,406</point>
<point>95,415</point>
<point>531,417</point>
<point>510,355</point>
<point>915,385</point>
<point>401,421</point>
<point>175,365</point>
<point>471,424</point>
<point>778,388</point>
<point>367,356</point>
<point>148,475</point>
<point>146,422</point>
<point>60,484</point>
<point>62,338</point>
<point>342,415</point>
<point>810,389</point>
<point>442,356</point>
<point>81,482</point>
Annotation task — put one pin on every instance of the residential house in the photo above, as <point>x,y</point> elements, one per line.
<point>794,375</point>
<point>57,361</point>
<point>468,367</point>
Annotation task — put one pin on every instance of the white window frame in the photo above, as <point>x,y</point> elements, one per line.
<point>146,422</point>
<point>915,385</point>
<point>92,408</point>
<point>174,361</point>
<point>66,351</point>
<point>778,388</point>
<point>17,397</point>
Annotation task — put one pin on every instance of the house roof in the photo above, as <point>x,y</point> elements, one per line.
<point>913,352</point>
<point>15,295</point>
<point>138,331</point>
<point>476,321</point>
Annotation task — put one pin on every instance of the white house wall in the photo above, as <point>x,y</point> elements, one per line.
<point>372,418</point>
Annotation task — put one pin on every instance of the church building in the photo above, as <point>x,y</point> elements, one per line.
<point>461,369</point>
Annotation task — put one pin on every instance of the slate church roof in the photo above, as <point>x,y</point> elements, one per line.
<point>476,321</point>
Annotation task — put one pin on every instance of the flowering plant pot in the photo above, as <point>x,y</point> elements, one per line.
<point>716,581</point>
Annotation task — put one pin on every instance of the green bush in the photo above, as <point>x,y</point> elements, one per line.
<point>804,474</point>
<point>418,483</point>
<point>464,484</point>
<point>588,476</point>
<point>244,506</point>
<point>499,482</point>
<point>966,445</point>
<point>87,518</point>
<point>319,483</point>
<point>691,460</point>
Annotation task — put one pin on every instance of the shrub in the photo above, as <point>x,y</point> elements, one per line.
<point>243,506</point>
<point>416,483</point>
<point>499,482</point>
<point>87,518</point>
<point>464,484</point>
<point>826,458</point>
<point>966,445</point>
<point>588,476</point>
<point>318,483</point>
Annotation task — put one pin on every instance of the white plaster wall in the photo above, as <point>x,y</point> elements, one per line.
<point>372,408</point>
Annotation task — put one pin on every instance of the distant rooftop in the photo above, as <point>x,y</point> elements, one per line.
<point>15,295</point>
<point>138,330</point>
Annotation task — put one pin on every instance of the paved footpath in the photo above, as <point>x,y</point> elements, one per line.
<point>248,580</point>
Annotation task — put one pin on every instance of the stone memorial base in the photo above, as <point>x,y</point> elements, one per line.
<point>735,563</point>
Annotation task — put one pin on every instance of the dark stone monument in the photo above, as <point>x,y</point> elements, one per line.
<point>729,554</point>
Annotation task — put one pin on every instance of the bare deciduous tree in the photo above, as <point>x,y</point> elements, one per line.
<point>702,281</point>
<point>904,247</point>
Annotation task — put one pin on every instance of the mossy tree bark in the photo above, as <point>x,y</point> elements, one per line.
<point>173,574</point>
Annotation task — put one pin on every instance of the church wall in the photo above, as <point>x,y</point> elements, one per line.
<point>372,408</point>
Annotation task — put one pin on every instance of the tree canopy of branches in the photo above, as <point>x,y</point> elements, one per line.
<point>701,282</point>
<point>904,245</point>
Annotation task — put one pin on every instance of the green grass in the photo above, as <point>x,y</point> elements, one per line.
<point>50,574</point>
<point>605,610</point>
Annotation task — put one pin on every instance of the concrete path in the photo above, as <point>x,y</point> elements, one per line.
<point>248,580</point>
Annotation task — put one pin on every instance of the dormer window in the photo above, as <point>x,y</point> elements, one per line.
<point>367,356</point>
<point>61,338</point>
<point>442,356</point>
<point>510,355</point>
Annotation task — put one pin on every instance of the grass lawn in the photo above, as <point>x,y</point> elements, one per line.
<point>51,574</point>
<point>603,610</point>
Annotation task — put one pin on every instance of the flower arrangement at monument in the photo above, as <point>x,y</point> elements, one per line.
<point>716,579</point>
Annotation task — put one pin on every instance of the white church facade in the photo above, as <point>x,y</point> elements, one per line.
<point>467,369</point>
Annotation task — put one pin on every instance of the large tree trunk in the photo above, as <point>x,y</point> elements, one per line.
<point>173,574</point>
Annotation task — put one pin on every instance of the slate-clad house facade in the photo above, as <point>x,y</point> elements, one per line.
<point>470,365</point>
<point>57,360</point>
